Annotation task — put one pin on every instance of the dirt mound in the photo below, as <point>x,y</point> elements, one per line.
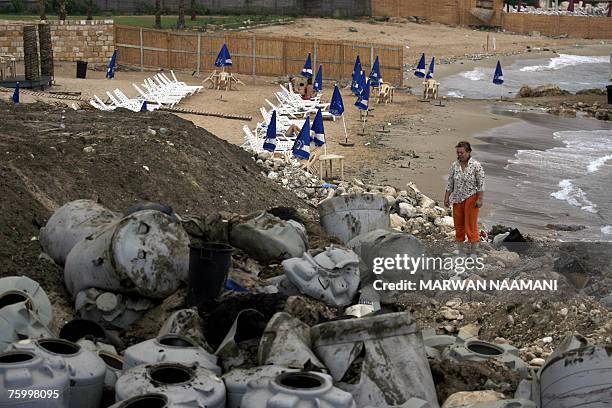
<point>51,155</point>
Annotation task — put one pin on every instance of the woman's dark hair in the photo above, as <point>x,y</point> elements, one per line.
<point>465,145</point>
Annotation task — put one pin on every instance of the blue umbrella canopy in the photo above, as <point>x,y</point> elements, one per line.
<point>301,147</point>
<point>355,84</point>
<point>110,72</point>
<point>375,76</point>
<point>336,106</point>
<point>224,59</point>
<point>307,70</point>
<point>362,82</point>
<point>318,129</point>
<point>270,140</point>
<point>430,71</point>
<point>364,98</point>
<point>318,83</point>
<point>420,69</point>
<point>16,93</point>
<point>498,77</point>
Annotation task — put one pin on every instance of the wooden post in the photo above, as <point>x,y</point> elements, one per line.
<point>141,51</point>
<point>487,42</point>
<point>284,57</point>
<point>254,45</point>
<point>371,55</point>
<point>199,63</point>
<point>168,64</point>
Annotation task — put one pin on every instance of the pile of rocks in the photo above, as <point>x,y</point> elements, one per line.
<point>540,91</point>
<point>596,110</point>
<point>411,210</point>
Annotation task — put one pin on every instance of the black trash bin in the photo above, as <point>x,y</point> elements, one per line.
<point>81,69</point>
<point>209,264</point>
<point>609,88</point>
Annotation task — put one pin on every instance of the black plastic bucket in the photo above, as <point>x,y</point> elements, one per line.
<point>209,264</point>
<point>609,88</point>
<point>81,69</point>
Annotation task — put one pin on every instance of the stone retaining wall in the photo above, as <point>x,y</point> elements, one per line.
<point>87,40</point>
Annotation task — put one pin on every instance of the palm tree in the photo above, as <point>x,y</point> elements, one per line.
<point>158,14</point>
<point>181,15</point>
<point>193,10</point>
<point>62,10</point>
<point>41,9</point>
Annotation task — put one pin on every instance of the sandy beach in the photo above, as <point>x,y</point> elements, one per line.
<point>406,141</point>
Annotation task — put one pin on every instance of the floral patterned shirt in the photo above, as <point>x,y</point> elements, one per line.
<point>465,183</point>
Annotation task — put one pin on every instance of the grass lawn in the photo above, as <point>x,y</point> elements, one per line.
<point>202,22</point>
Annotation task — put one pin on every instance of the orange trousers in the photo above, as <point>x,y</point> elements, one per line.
<point>465,216</point>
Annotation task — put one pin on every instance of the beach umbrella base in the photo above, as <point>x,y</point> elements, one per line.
<point>346,144</point>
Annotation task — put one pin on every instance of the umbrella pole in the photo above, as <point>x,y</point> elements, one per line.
<point>501,93</point>
<point>345,134</point>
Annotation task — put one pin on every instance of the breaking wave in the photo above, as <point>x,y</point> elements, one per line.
<point>566,60</point>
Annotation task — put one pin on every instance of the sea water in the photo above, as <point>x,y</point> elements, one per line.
<point>570,72</point>
<point>550,170</point>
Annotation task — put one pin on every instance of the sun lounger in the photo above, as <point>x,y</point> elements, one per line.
<point>158,98</point>
<point>101,106</point>
<point>137,102</point>
<point>191,88</point>
<point>198,88</point>
<point>255,143</point>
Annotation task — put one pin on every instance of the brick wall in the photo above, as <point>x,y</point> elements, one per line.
<point>91,41</point>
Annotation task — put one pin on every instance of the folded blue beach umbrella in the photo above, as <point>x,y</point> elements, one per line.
<point>430,71</point>
<point>301,147</point>
<point>498,77</point>
<point>110,72</point>
<point>307,70</point>
<point>318,83</point>
<point>318,129</point>
<point>364,98</point>
<point>143,107</point>
<point>355,84</point>
<point>224,59</point>
<point>336,106</point>
<point>420,69</point>
<point>16,93</point>
<point>362,82</point>
<point>375,76</point>
<point>270,140</point>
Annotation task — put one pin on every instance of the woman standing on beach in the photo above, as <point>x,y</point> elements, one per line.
<point>465,190</point>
